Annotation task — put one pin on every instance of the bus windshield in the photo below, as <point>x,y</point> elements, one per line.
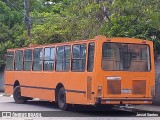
<point>125,57</point>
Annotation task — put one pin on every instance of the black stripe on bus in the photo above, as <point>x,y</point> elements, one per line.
<point>129,99</point>
<point>32,87</point>
<point>76,91</point>
<point>37,87</point>
<point>8,84</point>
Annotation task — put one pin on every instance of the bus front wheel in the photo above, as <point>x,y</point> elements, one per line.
<point>62,100</point>
<point>17,96</point>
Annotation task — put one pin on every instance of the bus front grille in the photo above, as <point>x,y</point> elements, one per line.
<point>139,87</point>
<point>113,86</point>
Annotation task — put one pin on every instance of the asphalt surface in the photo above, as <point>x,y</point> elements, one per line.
<point>33,110</point>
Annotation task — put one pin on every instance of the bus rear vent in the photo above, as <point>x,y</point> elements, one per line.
<point>139,87</point>
<point>113,86</point>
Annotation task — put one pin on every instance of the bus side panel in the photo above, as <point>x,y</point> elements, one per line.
<point>38,93</point>
<point>9,83</point>
<point>77,89</point>
<point>8,90</point>
<point>76,98</point>
<point>37,85</point>
<point>75,86</point>
<point>42,85</point>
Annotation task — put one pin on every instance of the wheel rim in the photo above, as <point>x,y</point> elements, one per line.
<point>62,100</point>
<point>18,94</point>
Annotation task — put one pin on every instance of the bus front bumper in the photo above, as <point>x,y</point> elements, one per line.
<point>124,101</point>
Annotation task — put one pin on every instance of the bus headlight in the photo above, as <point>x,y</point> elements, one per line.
<point>99,93</point>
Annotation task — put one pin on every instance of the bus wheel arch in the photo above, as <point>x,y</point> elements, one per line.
<point>58,87</point>
<point>61,97</point>
<point>16,83</point>
<point>17,93</point>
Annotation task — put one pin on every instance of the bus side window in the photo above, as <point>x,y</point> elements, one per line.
<point>9,61</point>
<point>18,64</point>
<point>59,58</point>
<point>37,59</point>
<point>27,60</point>
<point>79,57</point>
<point>49,59</point>
<point>91,47</point>
<point>67,56</point>
<point>63,58</point>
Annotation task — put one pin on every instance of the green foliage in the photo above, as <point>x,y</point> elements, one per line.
<point>67,20</point>
<point>136,18</point>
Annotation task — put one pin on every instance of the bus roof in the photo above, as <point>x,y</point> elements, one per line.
<point>96,38</point>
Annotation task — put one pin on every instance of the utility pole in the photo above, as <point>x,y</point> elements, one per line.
<point>27,17</point>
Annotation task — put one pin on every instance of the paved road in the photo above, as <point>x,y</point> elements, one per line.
<point>80,113</point>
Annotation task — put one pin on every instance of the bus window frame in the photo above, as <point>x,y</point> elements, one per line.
<point>12,61</point>
<point>63,59</point>
<point>16,61</point>
<point>28,61</point>
<point>149,53</point>
<point>86,56</point>
<point>40,60</point>
<point>49,60</point>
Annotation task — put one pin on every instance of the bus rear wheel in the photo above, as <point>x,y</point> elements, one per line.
<point>62,100</point>
<point>17,96</point>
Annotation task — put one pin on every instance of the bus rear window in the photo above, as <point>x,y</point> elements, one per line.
<point>125,57</point>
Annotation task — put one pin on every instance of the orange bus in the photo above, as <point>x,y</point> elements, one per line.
<point>99,71</point>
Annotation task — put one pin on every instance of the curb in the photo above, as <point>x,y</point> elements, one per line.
<point>1,95</point>
<point>4,95</point>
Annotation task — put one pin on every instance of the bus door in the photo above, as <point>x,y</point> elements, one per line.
<point>90,72</point>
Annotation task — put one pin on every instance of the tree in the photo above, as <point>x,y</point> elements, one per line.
<point>134,18</point>
<point>67,20</point>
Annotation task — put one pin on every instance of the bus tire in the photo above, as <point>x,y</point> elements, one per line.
<point>17,96</point>
<point>62,100</point>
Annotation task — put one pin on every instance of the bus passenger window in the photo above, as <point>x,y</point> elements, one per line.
<point>27,60</point>
<point>49,59</point>
<point>9,61</point>
<point>67,56</point>
<point>37,59</point>
<point>90,57</point>
<point>18,60</point>
<point>63,58</point>
<point>79,58</point>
